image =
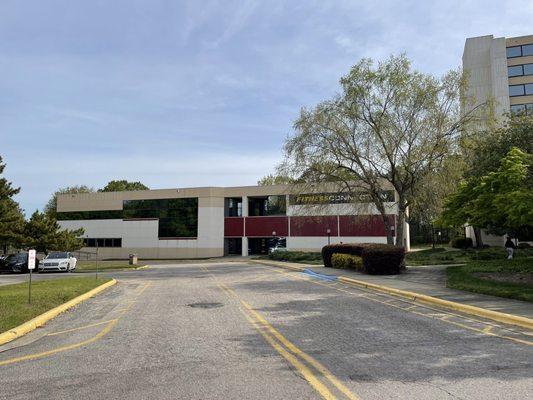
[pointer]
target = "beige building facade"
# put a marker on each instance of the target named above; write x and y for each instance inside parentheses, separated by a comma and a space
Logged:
(217, 221)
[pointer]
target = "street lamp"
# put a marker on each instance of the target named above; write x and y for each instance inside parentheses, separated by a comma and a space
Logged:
(328, 231)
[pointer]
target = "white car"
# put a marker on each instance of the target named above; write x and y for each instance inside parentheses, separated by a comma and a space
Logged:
(58, 261)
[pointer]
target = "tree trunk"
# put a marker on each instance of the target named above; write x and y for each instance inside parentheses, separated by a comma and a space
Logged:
(400, 232)
(477, 235)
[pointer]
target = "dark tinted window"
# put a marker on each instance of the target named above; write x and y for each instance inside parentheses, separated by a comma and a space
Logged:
(80, 215)
(269, 205)
(516, 90)
(58, 254)
(177, 217)
(117, 242)
(514, 52)
(529, 88)
(529, 108)
(101, 242)
(515, 70)
(91, 242)
(528, 69)
(527, 50)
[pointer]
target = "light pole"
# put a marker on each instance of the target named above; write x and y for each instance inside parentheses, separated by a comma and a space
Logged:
(273, 239)
(328, 231)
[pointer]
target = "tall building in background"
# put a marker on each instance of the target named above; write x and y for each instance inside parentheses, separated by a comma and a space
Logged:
(499, 70)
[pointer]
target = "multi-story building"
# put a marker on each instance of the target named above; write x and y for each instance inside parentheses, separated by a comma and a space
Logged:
(499, 71)
(216, 221)
(499, 74)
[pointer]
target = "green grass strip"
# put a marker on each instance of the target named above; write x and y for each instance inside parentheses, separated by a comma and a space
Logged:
(46, 294)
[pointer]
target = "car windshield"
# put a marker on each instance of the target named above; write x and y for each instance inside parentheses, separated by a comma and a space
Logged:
(19, 256)
(58, 254)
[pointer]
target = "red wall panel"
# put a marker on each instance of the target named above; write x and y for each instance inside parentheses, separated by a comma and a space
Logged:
(314, 225)
(234, 226)
(363, 225)
(264, 226)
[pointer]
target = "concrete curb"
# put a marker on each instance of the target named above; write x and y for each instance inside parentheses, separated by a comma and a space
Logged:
(428, 300)
(40, 320)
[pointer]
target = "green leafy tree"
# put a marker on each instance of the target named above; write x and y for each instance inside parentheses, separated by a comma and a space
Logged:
(51, 207)
(11, 217)
(123, 185)
(390, 128)
(43, 234)
(501, 201)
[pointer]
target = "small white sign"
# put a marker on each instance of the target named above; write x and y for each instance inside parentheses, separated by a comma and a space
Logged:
(31, 259)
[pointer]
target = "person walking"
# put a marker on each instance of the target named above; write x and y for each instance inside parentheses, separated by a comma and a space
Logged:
(509, 246)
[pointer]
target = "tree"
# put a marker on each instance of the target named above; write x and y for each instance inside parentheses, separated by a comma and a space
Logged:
(275, 179)
(500, 201)
(43, 233)
(123, 185)
(51, 207)
(11, 217)
(390, 128)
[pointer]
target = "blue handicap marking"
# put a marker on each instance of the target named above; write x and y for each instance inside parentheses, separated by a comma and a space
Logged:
(316, 275)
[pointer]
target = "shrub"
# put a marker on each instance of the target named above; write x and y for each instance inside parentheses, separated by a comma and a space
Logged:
(523, 245)
(461, 242)
(346, 261)
(383, 259)
(377, 258)
(347, 248)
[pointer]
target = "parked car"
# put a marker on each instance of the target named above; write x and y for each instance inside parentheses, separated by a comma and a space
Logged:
(16, 263)
(58, 261)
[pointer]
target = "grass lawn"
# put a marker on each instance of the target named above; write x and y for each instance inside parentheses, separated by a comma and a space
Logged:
(504, 278)
(441, 255)
(84, 266)
(14, 307)
(302, 257)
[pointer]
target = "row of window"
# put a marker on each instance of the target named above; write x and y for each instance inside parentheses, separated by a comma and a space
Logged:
(521, 90)
(520, 70)
(520, 51)
(106, 242)
(526, 109)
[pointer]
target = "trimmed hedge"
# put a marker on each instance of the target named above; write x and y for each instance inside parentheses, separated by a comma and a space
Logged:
(346, 261)
(377, 258)
(462, 243)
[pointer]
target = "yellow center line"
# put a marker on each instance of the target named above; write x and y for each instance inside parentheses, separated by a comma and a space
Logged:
(270, 334)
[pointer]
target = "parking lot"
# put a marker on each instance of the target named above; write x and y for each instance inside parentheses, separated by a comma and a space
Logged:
(237, 330)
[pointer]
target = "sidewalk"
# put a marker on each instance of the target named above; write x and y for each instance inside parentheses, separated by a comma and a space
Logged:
(429, 280)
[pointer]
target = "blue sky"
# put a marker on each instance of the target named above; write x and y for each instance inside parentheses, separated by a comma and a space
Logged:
(196, 93)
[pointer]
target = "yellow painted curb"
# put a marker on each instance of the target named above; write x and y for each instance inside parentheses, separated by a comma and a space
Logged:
(138, 268)
(40, 320)
(451, 305)
(425, 299)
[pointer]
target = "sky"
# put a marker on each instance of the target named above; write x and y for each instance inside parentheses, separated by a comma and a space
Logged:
(197, 93)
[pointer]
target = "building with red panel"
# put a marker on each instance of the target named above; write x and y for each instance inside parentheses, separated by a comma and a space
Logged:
(216, 221)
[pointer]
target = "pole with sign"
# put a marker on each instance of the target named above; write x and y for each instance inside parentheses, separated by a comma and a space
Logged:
(31, 267)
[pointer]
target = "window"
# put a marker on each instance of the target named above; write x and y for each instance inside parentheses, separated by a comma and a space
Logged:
(81, 215)
(515, 70)
(528, 69)
(527, 50)
(106, 242)
(529, 109)
(529, 88)
(178, 218)
(516, 90)
(518, 108)
(233, 207)
(268, 205)
(514, 52)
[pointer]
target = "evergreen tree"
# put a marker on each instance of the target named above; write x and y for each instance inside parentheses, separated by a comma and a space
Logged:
(11, 217)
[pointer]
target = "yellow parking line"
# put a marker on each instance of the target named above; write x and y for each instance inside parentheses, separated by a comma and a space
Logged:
(428, 315)
(78, 328)
(100, 334)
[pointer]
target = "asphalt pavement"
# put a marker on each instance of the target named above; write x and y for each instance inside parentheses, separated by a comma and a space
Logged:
(244, 331)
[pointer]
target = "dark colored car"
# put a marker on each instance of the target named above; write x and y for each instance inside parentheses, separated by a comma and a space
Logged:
(16, 263)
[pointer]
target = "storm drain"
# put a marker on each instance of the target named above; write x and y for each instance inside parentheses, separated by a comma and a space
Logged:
(205, 305)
